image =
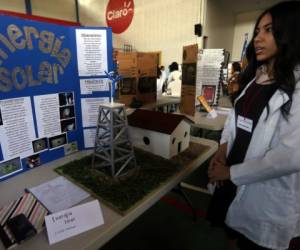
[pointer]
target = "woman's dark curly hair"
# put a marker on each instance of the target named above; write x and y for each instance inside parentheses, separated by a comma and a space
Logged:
(286, 32)
(173, 66)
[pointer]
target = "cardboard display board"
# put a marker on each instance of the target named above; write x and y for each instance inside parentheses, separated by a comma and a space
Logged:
(51, 82)
(189, 70)
(139, 72)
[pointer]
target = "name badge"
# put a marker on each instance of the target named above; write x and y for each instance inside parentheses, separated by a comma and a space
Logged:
(244, 123)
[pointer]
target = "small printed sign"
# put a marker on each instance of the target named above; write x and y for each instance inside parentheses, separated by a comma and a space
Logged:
(73, 221)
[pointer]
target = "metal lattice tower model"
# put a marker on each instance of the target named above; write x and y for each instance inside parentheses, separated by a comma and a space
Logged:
(112, 143)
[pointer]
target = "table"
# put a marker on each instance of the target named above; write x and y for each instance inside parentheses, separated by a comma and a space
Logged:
(113, 222)
(161, 102)
(201, 121)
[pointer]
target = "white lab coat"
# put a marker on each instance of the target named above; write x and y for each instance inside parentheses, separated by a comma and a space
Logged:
(160, 82)
(266, 208)
(174, 83)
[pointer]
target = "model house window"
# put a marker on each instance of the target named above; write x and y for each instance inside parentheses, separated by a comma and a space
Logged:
(173, 140)
(185, 134)
(146, 140)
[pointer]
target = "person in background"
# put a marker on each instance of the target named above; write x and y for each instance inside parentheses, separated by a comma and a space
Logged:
(233, 85)
(174, 80)
(161, 80)
(257, 166)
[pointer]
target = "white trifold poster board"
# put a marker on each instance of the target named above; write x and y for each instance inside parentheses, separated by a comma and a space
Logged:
(209, 69)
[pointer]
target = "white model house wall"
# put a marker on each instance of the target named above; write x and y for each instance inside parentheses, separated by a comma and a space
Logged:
(180, 138)
(159, 143)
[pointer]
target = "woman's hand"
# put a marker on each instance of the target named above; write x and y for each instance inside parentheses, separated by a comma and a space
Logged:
(219, 172)
(215, 166)
(219, 157)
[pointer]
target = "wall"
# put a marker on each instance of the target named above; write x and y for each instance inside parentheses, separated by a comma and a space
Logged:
(64, 10)
(219, 25)
(156, 26)
(244, 23)
(59, 9)
(13, 5)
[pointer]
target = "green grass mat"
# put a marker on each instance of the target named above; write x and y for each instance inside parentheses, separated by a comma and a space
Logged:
(124, 193)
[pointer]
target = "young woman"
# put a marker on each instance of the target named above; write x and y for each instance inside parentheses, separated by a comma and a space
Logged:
(257, 167)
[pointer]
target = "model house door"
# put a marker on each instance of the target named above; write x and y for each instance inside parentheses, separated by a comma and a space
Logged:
(179, 147)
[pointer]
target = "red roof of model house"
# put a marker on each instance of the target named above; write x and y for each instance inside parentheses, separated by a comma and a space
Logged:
(155, 121)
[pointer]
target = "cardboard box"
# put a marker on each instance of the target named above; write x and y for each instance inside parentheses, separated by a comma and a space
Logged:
(127, 64)
(139, 72)
(190, 53)
(147, 64)
(187, 101)
(146, 91)
(127, 90)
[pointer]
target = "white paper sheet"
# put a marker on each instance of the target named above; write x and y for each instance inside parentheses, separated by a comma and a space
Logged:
(73, 221)
(90, 110)
(91, 52)
(58, 194)
(88, 86)
(89, 137)
(47, 115)
(16, 128)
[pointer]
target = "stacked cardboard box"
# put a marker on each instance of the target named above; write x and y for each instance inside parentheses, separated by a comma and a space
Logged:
(139, 71)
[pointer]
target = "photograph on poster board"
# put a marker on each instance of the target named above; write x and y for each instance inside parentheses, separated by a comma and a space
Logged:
(66, 112)
(33, 161)
(189, 73)
(209, 91)
(66, 98)
(71, 148)
(57, 141)
(68, 125)
(40, 145)
(10, 167)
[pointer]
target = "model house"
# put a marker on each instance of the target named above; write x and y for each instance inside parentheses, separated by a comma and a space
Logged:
(163, 134)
